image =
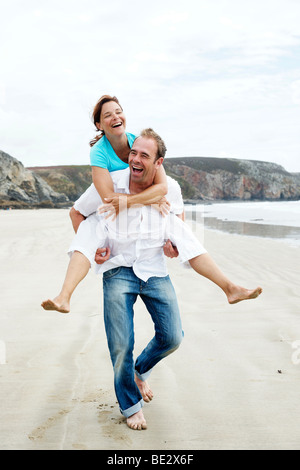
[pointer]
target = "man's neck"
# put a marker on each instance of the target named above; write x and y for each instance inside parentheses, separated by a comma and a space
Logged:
(136, 188)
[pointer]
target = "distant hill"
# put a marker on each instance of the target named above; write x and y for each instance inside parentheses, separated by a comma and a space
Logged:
(200, 178)
(71, 180)
(204, 178)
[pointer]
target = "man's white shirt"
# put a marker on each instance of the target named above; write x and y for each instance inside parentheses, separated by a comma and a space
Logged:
(90, 200)
(137, 236)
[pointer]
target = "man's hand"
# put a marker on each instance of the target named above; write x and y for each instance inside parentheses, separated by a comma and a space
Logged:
(102, 255)
(170, 250)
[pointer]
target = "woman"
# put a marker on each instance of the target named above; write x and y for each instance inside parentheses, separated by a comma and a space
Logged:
(110, 152)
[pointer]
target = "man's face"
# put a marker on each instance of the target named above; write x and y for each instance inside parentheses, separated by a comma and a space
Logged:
(142, 162)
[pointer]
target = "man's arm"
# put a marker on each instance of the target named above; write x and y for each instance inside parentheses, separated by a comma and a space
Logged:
(177, 206)
(102, 255)
(170, 250)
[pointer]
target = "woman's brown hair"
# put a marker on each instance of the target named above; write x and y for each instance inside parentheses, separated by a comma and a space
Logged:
(97, 114)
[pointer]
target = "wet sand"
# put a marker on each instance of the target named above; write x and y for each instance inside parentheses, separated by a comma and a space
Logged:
(233, 383)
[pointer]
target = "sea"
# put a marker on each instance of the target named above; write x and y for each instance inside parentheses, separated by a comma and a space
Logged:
(268, 219)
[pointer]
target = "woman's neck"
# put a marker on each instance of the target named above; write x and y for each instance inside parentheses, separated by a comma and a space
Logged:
(120, 146)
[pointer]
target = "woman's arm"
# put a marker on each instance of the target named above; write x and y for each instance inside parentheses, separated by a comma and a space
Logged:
(103, 182)
(104, 185)
(152, 195)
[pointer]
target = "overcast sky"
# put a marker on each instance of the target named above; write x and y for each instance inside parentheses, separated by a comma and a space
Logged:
(215, 78)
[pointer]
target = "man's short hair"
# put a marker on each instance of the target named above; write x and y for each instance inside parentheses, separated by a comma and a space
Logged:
(161, 147)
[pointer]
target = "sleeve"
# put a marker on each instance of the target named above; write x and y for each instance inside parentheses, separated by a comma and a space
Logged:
(98, 156)
(174, 196)
(183, 237)
(91, 235)
(88, 202)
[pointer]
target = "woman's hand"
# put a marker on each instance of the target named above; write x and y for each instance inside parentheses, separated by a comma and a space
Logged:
(163, 206)
(113, 206)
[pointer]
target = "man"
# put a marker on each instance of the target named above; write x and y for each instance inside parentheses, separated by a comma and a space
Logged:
(136, 267)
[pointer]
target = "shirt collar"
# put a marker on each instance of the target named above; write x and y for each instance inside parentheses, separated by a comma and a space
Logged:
(123, 180)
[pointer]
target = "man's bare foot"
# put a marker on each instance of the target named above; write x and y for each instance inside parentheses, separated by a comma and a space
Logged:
(137, 421)
(56, 304)
(144, 388)
(237, 294)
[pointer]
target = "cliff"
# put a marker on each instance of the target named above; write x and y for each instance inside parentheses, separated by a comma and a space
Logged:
(22, 188)
(71, 180)
(201, 179)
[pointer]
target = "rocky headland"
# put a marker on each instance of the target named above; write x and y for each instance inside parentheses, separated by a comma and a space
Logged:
(201, 179)
(21, 188)
(210, 179)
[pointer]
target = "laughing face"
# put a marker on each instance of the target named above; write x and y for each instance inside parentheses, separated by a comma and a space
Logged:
(112, 120)
(142, 161)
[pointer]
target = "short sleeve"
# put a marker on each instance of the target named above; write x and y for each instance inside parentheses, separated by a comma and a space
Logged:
(174, 196)
(98, 157)
(88, 202)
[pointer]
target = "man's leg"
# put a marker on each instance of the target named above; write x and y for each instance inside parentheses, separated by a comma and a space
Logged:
(160, 299)
(120, 289)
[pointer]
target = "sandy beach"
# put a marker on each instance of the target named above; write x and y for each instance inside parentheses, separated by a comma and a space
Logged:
(233, 384)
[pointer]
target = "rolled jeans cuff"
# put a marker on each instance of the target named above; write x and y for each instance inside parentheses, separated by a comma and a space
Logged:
(133, 409)
(144, 376)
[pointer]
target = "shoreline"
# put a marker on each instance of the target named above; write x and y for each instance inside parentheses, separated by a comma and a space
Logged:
(280, 233)
(21, 205)
(276, 221)
(222, 389)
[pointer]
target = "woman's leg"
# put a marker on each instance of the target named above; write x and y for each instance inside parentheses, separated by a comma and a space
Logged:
(78, 268)
(205, 266)
(89, 237)
(191, 249)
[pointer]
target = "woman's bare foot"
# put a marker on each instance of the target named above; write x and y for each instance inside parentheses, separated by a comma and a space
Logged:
(145, 390)
(57, 304)
(137, 421)
(237, 294)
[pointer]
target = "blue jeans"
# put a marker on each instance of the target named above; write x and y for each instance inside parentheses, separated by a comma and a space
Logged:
(121, 288)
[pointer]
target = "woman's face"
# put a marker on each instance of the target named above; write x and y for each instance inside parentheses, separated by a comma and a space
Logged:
(112, 119)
